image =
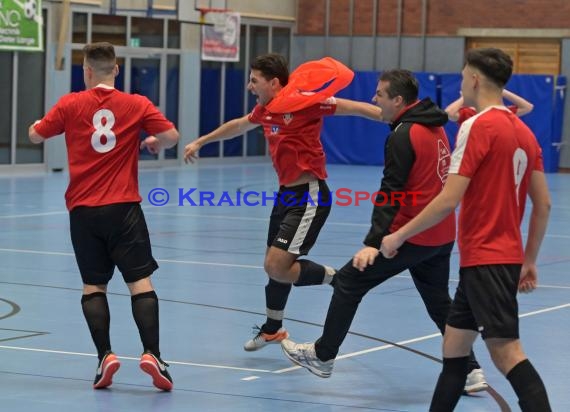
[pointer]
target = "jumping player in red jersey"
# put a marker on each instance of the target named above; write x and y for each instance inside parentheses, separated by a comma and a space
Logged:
(417, 157)
(497, 162)
(303, 202)
(102, 129)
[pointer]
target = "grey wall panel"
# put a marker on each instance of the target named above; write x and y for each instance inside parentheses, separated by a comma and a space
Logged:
(189, 116)
(411, 54)
(339, 48)
(444, 54)
(307, 48)
(386, 53)
(362, 54)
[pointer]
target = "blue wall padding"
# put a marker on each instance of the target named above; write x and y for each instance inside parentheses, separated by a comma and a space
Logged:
(354, 140)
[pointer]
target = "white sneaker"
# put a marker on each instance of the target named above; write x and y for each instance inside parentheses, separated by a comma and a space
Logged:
(303, 354)
(263, 339)
(475, 381)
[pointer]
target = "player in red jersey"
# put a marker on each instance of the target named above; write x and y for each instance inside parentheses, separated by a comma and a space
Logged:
(497, 162)
(102, 127)
(417, 157)
(303, 202)
(458, 112)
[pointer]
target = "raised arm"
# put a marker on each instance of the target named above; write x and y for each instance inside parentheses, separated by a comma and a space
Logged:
(233, 128)
(452, 109)
(345, 107)
(523, 106)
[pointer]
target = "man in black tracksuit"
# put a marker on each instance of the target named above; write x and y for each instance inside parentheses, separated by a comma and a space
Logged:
(417, 158)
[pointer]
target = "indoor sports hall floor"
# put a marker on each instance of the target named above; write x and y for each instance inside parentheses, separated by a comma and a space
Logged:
(211, 286)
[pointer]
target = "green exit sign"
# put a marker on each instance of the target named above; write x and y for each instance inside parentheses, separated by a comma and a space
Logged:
(135, 42)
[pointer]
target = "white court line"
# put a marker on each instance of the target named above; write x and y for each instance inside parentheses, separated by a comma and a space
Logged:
(196, 262)
(33, 215)
(185, 262)
(202, 365)
(279, 371)
(246, 218)
(375, 349)
(229, 217)
(421, 338)
(540, 286)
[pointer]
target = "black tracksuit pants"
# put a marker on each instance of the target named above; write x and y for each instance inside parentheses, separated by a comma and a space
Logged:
(429, 267)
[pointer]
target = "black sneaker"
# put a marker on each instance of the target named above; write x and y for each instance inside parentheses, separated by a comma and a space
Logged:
(105, 371)
(156, 368)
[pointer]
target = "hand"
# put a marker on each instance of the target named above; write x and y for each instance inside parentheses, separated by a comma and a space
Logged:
(390, 245)
(152, 144)
(364, 257)
(529, 278)
(191, 151)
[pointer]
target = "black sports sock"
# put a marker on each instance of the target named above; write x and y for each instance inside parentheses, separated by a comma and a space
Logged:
(314, 274)
(473, 364)
(145, 312)
(96, 311)
(276, 294)
(450, 384)
(529, 387)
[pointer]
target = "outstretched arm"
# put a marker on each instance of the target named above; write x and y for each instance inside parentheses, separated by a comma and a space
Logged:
(227, 130)
(345, 107)
(523, 106)
(441, 206)
(453, 109)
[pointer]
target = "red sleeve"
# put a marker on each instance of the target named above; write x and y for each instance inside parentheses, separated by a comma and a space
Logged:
(513, 108)
(465, 113)
(53, 123)
(154, 121)
(255, 115)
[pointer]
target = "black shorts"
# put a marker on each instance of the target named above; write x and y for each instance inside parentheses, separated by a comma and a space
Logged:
(486, 301)
(107, 236)
(298, 215)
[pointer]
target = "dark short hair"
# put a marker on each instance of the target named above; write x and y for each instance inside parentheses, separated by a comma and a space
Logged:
(495, 64)
(100, 57)
(402, 83)
(272, 65)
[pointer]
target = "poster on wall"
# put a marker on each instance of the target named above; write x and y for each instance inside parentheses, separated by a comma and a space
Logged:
(221, 36)
(21, 25)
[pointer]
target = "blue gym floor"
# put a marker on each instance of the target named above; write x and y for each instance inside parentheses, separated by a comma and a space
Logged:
(211, 289)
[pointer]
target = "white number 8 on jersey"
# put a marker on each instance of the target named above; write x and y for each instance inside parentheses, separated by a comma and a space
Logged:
(103, 130)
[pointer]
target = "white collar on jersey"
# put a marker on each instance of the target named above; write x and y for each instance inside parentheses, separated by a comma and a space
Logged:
(104, 86)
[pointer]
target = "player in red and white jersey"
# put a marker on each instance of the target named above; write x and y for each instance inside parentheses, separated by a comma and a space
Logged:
(303, 201)
(102, 129)
(497, 162)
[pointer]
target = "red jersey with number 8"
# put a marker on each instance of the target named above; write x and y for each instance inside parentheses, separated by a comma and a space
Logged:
(498, 152)
(102, 132)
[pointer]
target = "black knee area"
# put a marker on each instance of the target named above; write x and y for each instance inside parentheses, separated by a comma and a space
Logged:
(87, 298)
(456, 366)
(311, 273)
(144, 295)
